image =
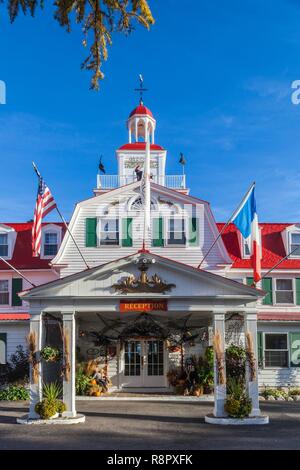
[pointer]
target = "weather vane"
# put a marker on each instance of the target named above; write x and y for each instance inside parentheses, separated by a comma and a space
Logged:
(141, 90)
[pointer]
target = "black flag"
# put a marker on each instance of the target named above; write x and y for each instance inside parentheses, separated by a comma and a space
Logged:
(101, 166)
(182, 160)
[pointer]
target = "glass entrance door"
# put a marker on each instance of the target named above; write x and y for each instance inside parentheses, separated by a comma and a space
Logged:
(144, 363)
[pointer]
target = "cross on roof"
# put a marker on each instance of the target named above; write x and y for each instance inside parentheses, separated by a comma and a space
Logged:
(141, 89)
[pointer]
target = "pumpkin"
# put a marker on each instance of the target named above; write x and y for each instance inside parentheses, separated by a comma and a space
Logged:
(93, 382)
(98, 394)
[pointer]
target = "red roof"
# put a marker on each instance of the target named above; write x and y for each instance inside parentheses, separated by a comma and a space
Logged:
(141, 110)
(22, 255)
(14, 316)
(279, 316)
(273, 249)
(140, 146)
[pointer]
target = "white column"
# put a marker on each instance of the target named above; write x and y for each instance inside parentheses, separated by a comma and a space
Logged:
(69, 331)
(36, 322)
(250, 326)
(152, 134)
(220, 389)
(129, 135)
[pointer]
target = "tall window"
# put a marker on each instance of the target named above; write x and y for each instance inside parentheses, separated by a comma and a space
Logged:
(109, 234)
(276, 350)
(295, 244)
(50, 243)
(284, 291)
(4, 292)
(176, 231)
(3, 244)
(246, 248)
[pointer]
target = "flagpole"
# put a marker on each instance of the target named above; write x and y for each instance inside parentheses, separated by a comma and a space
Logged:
(279, 262)
(17, 271)
(64, 221)
(147, 195)
(226, 225)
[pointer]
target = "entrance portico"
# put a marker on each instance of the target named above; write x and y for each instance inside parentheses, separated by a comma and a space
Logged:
(92, 301)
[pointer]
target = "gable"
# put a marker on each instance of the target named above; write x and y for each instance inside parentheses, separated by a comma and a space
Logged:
(100, 282)
(119, 204)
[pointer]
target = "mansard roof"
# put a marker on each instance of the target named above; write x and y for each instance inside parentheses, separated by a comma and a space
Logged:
(22, 255)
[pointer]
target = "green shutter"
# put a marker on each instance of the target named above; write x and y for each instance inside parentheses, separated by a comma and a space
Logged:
(91, 232)
(260, 349)
(127, 231)
(17, 286)
(3, 342)
(158, 231)
(295, 349)
(194, 231)
(267, 287)
(298, 291)
(249, 281)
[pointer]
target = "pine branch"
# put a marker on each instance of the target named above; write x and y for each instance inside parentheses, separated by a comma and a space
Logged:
(99, 19)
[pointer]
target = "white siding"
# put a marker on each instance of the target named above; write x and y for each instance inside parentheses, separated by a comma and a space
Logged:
(111, 204)
(16, 334)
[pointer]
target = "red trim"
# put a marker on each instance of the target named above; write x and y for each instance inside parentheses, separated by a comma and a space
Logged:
(280, 316)
(141, 109)
(140, 146)
(14, 316)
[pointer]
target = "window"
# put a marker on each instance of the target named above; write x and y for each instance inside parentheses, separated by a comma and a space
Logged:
(276, 350)
(176, 231)
(3, 244)
(295, 244)
(109, 234)
(284, 291)
(4, 293)
(50, 243)
(3, 344)
(246, 248)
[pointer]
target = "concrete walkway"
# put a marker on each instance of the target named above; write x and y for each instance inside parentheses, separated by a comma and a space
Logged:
(153, 426)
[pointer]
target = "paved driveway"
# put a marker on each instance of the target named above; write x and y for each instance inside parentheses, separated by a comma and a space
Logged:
(130, 425)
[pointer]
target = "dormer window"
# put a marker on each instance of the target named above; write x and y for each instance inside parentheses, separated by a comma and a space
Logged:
(295, 243)
(51, 239)
(4, 244)
(109, 234)
(50, 244)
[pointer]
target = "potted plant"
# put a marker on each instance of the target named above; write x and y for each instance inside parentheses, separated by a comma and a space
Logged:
(237, 404)
(51, 406)
(50, 354)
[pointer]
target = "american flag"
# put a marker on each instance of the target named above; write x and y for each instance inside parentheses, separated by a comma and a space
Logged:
(45, 203)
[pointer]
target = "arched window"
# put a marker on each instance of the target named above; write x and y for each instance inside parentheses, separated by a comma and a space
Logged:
(137, 204)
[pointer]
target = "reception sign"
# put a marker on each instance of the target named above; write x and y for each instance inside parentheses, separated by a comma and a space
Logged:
(143, 306)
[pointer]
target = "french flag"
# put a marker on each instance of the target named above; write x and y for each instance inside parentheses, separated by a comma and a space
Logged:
(246, 220)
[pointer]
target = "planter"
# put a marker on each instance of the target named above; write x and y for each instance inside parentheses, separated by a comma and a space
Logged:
(198, 391)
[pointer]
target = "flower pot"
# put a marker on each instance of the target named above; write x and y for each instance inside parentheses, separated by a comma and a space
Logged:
(198, 391)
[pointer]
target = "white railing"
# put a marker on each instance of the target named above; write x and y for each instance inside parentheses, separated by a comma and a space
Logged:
(115, 181)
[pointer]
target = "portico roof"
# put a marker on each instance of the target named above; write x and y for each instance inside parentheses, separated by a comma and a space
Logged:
(99, 282)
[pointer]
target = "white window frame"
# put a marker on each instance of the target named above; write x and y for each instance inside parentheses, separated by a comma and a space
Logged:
(50, 228)
(290, 233)
(166, 230)
(101, 221)
(11, 239)
(264, 349)
(9, 292)
(274, 289)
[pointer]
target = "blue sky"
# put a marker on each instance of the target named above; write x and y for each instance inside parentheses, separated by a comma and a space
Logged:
(219, 74)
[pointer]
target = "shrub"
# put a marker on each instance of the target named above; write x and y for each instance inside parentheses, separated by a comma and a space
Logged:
(46, 409)
(294, 391)
(82, 381)
(60, 406)
(274, 392)
(14, 392)
(238, 408)
(17, 368)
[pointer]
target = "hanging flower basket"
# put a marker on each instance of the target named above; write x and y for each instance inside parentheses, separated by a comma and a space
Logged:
(50, 354)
